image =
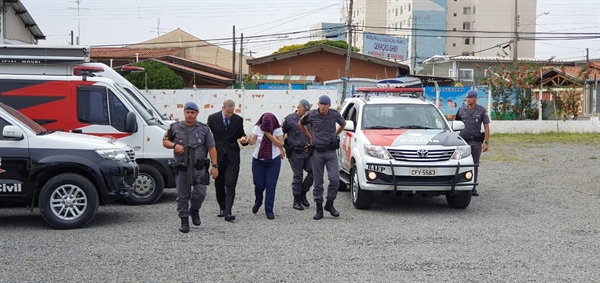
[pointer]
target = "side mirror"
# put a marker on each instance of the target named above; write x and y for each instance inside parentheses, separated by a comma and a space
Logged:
(12, 133)
(131, 123)
(349, 125)
(458, 125)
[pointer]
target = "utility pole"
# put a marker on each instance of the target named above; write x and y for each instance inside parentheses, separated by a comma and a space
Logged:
(414, 41)
(349, 52)
(78, 20)
(71, 37)
(516, 39)
(587, 55)
(240, 77)
(233, 67)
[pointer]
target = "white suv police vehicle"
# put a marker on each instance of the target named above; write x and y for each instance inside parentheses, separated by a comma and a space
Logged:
(66, 175)
(402, 146)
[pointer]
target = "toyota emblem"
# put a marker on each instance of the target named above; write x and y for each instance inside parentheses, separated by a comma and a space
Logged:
(422, 152)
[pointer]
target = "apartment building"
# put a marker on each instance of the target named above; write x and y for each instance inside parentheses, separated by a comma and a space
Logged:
(450, 27)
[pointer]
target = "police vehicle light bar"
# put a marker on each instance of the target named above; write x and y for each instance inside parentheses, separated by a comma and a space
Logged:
(80, 69)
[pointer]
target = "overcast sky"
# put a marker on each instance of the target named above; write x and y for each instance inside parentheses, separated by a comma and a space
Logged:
(118, 22)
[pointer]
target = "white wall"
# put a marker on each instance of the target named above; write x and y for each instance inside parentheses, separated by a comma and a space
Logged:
(250, 103)
(591, 125)
(253, 103)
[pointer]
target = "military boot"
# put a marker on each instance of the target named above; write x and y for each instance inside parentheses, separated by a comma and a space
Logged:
(297, 203)
(185, 225)
(319, 213)
(329, 207)
(303, 200)
(195, 217)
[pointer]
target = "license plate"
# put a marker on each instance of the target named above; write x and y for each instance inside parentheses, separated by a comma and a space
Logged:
(422, 172)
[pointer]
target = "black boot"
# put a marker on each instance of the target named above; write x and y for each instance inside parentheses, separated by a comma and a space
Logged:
(319, 213)
(195, 217)
(185, 225)
(303, 200)
(329, 207)
(297, 203)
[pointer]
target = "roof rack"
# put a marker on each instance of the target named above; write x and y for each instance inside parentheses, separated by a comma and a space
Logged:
(411, 92)
(39, 55)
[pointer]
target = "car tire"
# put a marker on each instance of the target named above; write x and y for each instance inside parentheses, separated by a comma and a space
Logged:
(68, 201)
(149, 186)
(460, 201)
(361, 199)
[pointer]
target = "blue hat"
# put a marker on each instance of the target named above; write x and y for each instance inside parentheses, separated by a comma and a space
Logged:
(305, 103)
(324, 99)
(191, 106)
(472, 93)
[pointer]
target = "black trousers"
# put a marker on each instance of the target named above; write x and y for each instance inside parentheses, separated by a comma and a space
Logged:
(225, 184)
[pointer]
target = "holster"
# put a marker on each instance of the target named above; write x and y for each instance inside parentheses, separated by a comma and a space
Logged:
(311, 150)
(289, 150)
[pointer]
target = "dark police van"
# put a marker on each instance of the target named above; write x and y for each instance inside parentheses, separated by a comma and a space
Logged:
(65, 175)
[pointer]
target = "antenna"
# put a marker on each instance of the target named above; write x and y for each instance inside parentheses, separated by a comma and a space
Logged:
(158, 32)
(78, 19)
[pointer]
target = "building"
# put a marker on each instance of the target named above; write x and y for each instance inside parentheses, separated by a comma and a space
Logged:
(325, 63)
(329, 31)
(450, 27)
(17, 25)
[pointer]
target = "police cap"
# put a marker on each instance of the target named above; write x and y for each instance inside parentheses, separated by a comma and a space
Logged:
(191, 106)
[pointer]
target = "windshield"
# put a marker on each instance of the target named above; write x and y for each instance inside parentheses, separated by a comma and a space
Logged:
(402, 116)
(32, 125)
(138, 94)
(138, 107)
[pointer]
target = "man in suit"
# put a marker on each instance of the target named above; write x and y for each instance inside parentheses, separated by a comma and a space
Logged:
(227, 128)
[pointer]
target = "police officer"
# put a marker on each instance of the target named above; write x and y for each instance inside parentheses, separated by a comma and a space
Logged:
(473, 115)
(324, 141)
(190, 141)
(296, 148)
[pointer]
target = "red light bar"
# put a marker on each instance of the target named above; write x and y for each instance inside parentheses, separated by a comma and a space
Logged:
(389, 89)
(77, 70)
(132, 69)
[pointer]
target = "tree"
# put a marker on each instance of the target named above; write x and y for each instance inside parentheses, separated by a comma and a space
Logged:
(157, 76)
(335, 43)
(513, 83)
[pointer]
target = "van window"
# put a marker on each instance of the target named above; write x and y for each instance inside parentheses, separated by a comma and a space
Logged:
(92, 105)
(118, 112)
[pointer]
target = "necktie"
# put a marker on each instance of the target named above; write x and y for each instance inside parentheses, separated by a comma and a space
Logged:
(226, 124)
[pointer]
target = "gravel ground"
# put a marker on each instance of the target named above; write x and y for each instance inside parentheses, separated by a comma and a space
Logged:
(537, 220)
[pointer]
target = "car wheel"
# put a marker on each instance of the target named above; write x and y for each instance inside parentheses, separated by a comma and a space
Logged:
(459, 201)
(68, 201)
(361, 199)
(149, 186)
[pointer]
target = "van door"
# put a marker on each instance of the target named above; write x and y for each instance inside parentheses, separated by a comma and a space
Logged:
(100, 112)
(15, 163)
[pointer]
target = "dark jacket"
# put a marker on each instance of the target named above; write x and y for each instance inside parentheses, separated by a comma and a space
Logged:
(226, 141)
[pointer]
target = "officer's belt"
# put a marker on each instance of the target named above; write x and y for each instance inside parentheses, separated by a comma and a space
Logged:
(323, 148)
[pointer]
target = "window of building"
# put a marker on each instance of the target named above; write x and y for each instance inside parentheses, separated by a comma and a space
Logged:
(455, 14)
(396, 11)
(453, 29)
(466, 40)
(466, 10)
(409, 7)
(474, 9)
(465, 74)
(453, 44)
(466, 25)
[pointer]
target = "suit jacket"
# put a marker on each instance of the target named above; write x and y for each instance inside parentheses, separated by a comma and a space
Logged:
(226, 141)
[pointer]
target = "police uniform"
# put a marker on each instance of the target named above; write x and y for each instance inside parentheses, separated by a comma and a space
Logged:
(199, 135)
(473, 119)
(299, 159)
(325, 144)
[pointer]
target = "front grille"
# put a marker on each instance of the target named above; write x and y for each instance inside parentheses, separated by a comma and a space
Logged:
(131, 154)
(413, 155)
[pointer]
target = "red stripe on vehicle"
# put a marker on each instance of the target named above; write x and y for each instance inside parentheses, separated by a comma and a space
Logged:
(383, 137)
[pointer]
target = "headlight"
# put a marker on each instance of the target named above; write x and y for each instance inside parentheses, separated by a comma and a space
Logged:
(461, 152)
(114, 154)
(377, 152)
